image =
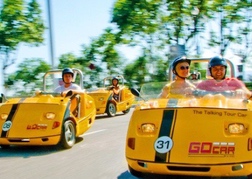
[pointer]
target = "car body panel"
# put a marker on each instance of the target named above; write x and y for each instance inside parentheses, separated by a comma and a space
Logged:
(203, 139)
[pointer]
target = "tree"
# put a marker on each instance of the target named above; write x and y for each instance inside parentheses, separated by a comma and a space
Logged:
(136, 72)
(28, 77)
(19, 23)
(229, 30)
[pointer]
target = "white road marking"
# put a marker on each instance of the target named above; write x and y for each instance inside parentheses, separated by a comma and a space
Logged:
(89, 133)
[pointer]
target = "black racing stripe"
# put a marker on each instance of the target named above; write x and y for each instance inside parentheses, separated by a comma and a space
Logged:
(165, 130)
(10, 118)
(11, 114)
(172, 102)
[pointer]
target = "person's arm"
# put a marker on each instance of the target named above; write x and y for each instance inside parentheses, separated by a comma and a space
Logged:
(165, 92)
(116, 90)
(75, 89)
(241, 85)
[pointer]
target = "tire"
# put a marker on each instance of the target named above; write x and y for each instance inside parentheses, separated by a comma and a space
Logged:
(249, 176)
(68, 135)
(5, 146)
(111, 109)
(135, 173)
(126, 111)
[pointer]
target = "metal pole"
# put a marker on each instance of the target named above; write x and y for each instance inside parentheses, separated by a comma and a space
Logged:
(50, 33)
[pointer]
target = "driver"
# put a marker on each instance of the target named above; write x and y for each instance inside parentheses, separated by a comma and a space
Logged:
(218, 68)
(115, 87)
(67, 77)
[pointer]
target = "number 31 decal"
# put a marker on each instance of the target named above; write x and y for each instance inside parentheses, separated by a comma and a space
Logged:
(163, 144)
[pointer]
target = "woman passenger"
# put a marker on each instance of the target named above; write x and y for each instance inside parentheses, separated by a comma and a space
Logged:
(180, 86)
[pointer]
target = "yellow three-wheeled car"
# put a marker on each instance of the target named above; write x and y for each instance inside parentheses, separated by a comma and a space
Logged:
(46, 118)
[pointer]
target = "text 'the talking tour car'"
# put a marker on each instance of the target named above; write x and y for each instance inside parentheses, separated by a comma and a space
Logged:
(203, 134)
(106, 103)
(47, 118)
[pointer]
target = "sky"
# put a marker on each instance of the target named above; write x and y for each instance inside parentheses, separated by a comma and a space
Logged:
(74, 23)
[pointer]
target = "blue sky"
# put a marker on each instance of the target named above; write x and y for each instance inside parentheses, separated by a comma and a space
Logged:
(74, 23)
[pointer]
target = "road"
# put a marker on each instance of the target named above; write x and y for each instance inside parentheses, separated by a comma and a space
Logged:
(98, 154)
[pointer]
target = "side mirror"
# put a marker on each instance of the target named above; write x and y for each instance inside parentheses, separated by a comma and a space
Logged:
(2, 98)
(136, 93)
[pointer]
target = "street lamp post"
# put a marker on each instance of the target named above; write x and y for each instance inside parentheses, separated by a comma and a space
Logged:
(195, 13)
(50, 33)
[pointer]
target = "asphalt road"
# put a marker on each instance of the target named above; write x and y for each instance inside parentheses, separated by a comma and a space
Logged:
(98, 154)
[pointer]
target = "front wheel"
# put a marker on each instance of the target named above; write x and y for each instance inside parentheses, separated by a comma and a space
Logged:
(68, 135)
(111, 109)
(5, 146)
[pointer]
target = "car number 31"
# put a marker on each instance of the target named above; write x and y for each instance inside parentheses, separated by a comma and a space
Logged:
(163, 144)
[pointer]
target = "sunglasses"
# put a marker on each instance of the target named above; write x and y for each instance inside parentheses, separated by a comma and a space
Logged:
(184, 67)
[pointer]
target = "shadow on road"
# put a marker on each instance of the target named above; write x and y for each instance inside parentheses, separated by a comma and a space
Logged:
(105, 116)
(127, 175)
(29, 151)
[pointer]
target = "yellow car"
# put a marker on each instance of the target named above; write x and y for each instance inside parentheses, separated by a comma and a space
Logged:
(106, 103)
(46, 118)
(207, 133)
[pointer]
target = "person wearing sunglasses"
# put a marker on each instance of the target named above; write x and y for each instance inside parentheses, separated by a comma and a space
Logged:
(217, 67)
(180, 86)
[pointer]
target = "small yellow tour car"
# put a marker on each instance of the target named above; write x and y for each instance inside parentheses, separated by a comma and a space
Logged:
(46, 118)
(106, 103)
(205, 134)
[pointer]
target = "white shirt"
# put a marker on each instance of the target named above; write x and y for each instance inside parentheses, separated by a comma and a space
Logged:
(62, 88)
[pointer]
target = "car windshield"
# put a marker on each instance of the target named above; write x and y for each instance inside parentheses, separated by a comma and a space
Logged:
(215, 96)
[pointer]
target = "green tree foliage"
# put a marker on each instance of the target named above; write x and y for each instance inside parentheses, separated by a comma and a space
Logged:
(28, 77)
(69, 60)
(135, 73)
(98, 59)
(231, 16)
(165, 24)
(136, 16)
(19, 23)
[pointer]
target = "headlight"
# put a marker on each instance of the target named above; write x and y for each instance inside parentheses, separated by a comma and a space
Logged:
(4, 116)
(101, 99)
(236, 128)
(50, 115)
(148, 128)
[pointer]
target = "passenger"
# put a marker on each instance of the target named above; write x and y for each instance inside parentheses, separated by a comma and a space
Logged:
(194, 76)
(180, 86)
(115, 87)
(218, 68)
(67, 77)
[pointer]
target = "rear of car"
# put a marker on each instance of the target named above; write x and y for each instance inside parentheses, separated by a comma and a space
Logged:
(190, 141)
(101, 97)
(32, 121)
(105, 101)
